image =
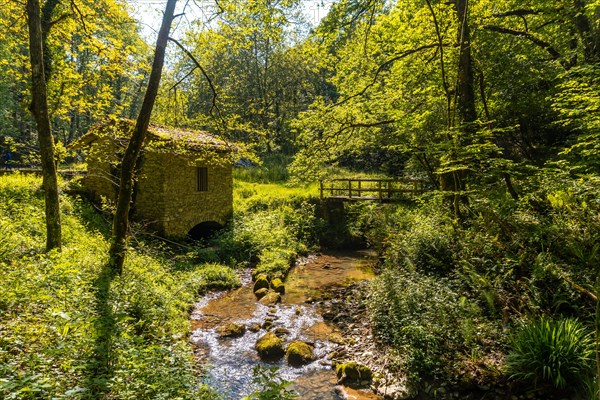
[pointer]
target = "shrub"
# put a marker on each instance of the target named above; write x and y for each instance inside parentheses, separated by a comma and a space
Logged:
(559, 353)
(425, 320)
(272, 225)
(272, 387)
(275, 262)
(218, 276)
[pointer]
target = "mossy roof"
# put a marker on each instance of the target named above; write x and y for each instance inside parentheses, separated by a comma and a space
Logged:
(158, 137)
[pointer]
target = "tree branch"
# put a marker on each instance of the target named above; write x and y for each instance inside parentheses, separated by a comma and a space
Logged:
(184, 78)
(197, 64)
(537, 41)
(81, 15)
(60, 19)
(361, 125)
(518, 13)
(381, 68)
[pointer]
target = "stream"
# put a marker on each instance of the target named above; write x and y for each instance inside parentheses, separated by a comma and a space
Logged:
(229, 362)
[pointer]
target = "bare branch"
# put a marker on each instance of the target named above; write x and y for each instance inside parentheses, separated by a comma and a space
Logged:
(210, 83)
(184, 78)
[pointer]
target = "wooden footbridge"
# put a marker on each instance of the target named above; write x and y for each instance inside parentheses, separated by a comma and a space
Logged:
(382, 190)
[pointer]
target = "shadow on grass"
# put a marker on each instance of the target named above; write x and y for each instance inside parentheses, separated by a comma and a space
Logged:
(94, 220)
(99, 369)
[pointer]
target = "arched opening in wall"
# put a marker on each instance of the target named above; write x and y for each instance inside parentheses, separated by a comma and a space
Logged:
(204, 230)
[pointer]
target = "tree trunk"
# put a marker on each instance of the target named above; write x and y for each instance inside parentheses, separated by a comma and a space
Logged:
(465, 88)
(39, 109)
(46, 23)
(589, 38)
(118, 246)
(465, 113)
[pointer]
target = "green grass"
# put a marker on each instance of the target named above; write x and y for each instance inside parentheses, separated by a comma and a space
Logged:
(68, 329)
(273, 169)
(260, 196)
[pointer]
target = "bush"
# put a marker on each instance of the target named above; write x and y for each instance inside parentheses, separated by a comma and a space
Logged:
(559, 353)
(423, 240)
(426, 320)
(272, 387)
(218, 276)
(272, 225)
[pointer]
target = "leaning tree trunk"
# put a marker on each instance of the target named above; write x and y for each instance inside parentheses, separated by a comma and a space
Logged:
(118, 246)
(39, 109)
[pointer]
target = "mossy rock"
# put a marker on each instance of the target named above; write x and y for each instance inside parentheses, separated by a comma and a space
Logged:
(353, 374)
(270, 299)
(278, 286)
(231, 330)
(269, 347)
(300, 353)
(336, 338)
(267, 324)
(260, 293)
(278, 275)
(281, 332)
(261, 281)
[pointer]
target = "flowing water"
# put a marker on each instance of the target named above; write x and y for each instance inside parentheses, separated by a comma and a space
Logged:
(229, 362)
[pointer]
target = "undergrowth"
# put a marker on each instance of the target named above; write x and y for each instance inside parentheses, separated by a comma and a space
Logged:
(555, 353)
(451, 292)
(69, 329)
(272, 225)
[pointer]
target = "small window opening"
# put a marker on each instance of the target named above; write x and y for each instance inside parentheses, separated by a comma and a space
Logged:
(202, 179)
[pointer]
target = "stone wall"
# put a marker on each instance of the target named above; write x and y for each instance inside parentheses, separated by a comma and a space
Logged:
(102, 176)
(149, 197)
(166, 193)
(185, 207)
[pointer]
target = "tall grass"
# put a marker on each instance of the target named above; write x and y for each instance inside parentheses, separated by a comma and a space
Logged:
(556, 352)
(273, 169)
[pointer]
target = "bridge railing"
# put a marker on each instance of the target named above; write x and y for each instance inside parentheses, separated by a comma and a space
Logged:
(369, 189)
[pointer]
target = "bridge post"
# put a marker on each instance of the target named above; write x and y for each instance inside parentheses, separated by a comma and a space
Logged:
(321, 189)
(349, 188)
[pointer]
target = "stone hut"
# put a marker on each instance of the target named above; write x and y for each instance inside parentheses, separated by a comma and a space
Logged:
(183, 181)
